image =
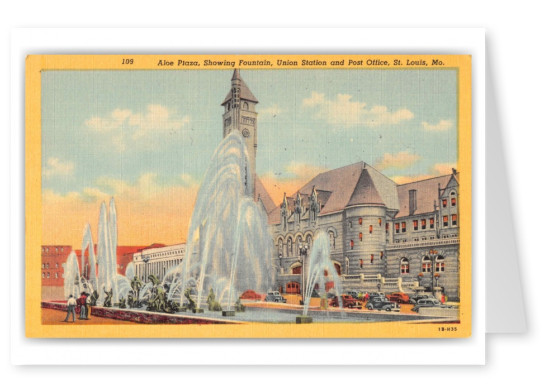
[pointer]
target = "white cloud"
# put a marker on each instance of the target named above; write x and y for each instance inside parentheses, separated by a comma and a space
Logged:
(439, 127)
(146, 128)
(398, 160)
(272, 111)
(57, 167)
(345, 112)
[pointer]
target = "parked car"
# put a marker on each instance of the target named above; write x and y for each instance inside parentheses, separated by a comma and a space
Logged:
(354, 294)
(377, 294)
(275, 296)
(413, 299)
(347, 302)
(398, 297)
(379, 303)
(249, 294)
(430, 302)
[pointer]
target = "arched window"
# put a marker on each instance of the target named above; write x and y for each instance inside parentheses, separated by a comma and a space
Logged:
(337, 268)
(309, 241)
(289, 247)
(380, 222)
(280, 247)
(360, 236)
(332, 239)
(360, 221)
(351, 245)
(245, 106)
(404, 266)
(427, 265)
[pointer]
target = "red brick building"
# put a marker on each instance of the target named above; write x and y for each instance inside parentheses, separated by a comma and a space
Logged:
(55, 256)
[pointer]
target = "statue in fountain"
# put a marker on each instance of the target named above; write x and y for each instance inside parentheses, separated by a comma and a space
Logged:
(238, 306)
(212, 303)
(191, 305)
(94, 298)
(108, 297)
(122, 303)
(136, 284)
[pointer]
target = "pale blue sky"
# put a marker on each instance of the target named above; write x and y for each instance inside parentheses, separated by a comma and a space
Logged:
(124, 124)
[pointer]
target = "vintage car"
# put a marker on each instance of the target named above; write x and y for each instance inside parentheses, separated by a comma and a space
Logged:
(347, 302)
(275, 296)
(430, 302)
(380, 303)
(398, 297)
(249, 294)
(413, 299)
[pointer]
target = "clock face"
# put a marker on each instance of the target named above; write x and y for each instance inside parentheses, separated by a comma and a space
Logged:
(246, 133)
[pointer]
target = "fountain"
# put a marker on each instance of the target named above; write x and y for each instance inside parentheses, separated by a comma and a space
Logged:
(320, 271)
(72, 283)
(228, 243)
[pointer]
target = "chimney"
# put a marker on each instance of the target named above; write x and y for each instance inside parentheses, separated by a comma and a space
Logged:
(412, 201)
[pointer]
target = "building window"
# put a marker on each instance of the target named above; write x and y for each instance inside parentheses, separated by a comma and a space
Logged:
(427, 266)
(382, 254)
(56, 265)
(431, 221)
(372, 257)
(404, 266)
(351, 245)
(423, 223)
(361, 235)
(397, 227)
(47, 266)
(56, 275)
(445, 220)
(380, 222)
(289, 247)
(43, 275)
(415, 225)
(454, 219)
(387, 227)
(361, 263)
(370, 229)
(454, 201)
(43, 266)
(360, 221)
(350, 224)
(439, 267)
(444, 203)
(48, 275)
(296, 270)
(403, 226)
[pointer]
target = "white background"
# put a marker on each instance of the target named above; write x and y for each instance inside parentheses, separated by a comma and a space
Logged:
(518, 56)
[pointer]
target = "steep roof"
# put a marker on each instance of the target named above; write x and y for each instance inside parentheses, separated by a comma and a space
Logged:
(261, 193)
(244, 91)
(427, 194)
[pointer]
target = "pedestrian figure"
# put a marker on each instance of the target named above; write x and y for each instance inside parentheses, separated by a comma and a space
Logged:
(443, 299)
(88, 304)
(71, 303)
(82, 304)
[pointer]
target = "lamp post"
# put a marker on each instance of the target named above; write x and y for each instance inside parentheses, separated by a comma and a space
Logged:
(432, 255)
(303, 251)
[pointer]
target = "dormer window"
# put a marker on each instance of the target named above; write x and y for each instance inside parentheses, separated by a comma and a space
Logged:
(454, 201)
(444, 203)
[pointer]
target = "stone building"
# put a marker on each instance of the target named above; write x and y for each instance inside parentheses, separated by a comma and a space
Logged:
(157, 259)
(383, 235)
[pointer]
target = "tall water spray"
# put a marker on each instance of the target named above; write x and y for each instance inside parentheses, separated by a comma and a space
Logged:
(228, 244)
(107, 251)
(72, 284)
(88, 243)
(320, 270)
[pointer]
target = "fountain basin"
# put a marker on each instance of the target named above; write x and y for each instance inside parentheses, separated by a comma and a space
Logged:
(304, 319)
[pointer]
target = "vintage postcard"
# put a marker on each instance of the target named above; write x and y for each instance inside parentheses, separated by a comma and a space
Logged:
(248, 196)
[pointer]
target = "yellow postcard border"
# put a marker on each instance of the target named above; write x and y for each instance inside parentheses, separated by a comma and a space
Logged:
(33, 206)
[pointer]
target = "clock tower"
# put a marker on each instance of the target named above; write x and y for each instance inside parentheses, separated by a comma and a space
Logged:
(240, 113)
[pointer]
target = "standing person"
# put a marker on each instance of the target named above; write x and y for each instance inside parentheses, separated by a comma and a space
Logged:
(71, 303)
(88, 302)
(82, 304)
